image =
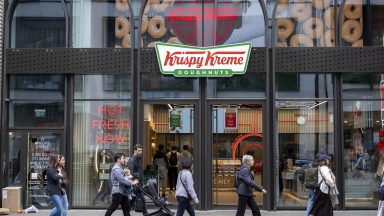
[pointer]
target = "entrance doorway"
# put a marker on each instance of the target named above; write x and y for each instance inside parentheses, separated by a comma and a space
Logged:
(168, 131)
(237, 130)
(28, 154)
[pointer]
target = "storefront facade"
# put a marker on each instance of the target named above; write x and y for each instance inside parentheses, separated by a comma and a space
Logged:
(81, 78)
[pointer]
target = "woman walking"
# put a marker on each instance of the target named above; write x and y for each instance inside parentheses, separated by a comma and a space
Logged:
(64, 184)
(184, 189)
(246, 186)
(54, 181)
(379, 173)
(326, 196)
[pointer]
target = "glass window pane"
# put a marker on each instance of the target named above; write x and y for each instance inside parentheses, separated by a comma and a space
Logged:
(248, 85)
(305, 129)
(100, 130)
(362, 134)
(38, 24)
(156, 85)
(38, 87)
(36, 114)
(362, 86)
(305, 24)
(304, 85)
(103, 86)
(98, 24)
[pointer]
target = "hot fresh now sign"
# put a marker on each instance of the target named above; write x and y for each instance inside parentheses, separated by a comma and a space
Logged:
(190, 61)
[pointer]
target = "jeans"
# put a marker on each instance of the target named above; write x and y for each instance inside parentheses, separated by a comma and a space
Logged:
(58, 201)
(182, 205)
(311, 195)
(243, 201)
(64, 210)
(119, 199)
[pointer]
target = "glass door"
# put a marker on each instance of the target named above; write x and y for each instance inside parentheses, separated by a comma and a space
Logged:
(237, 130)
(28, 157)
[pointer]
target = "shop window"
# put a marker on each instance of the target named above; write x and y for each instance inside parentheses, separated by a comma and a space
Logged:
(38, 24)
(304, 85)
(362, 86)
(101, 129)
(305, 129)
(37, 87)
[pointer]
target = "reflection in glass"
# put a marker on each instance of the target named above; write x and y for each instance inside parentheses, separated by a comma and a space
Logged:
(248, 85)
(14, 158)
(305, 24)
(297, 85)
(305, 129)
(38, 24)
(102, 86)
(38, 87)
(352, 24)
(362, 134)
(362, 86)
(100, 130)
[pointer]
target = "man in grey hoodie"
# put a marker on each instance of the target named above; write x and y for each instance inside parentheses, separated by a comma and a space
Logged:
(119, 189)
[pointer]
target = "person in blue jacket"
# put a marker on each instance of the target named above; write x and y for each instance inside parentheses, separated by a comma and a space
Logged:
(246, 186)
(119, 189)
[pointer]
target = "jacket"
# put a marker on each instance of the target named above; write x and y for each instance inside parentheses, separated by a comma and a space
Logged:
(53, 181)
(246, 182)
(118, 181)
(328, 181)
(134, 164)
(187, 180)
(160, 161)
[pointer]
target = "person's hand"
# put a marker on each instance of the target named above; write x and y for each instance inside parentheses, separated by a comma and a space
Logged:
(60, 174)
(195, 200)
(264, 191)
(135, 182)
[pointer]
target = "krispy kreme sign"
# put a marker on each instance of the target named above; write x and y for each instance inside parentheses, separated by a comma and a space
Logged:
(192, 61)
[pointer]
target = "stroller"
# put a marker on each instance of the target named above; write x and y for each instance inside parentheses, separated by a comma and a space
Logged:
(150, 189)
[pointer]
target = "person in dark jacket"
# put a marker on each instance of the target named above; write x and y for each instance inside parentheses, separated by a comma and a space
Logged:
(135, 165)
(246, 186)
(161, 163)
(54, 181)
(119, 191)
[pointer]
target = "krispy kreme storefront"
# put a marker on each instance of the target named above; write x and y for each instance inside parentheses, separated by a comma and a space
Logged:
(280, 80)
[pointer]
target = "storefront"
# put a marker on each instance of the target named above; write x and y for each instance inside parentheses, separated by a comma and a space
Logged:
(82, 78)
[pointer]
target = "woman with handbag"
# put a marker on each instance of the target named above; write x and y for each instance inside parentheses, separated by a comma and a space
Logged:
(326, 195)
(185, 193)
(379, 173)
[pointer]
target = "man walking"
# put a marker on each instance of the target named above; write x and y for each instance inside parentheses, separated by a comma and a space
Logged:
(135, 165)
(173, 159)
(119, 187)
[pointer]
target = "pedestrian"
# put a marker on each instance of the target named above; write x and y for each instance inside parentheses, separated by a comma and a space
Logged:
(184, 153)
(379, 173)
(135, 165)
(54, 181)
(119, 187)
(326, 196)
(311, 191)
(161, 163)
(185, 193)
(246, 186)
(173, 158)
(64, 185)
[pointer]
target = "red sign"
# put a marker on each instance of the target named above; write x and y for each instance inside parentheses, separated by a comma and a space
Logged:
(230, 120)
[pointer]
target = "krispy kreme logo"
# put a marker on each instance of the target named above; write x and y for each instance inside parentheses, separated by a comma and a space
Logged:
(190, 61)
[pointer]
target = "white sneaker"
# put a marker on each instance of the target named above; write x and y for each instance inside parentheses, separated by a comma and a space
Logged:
(32, 208)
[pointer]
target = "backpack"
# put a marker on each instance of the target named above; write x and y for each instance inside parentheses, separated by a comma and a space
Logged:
(311, 178)
(236, 181)
(173, 159)
(301, 173)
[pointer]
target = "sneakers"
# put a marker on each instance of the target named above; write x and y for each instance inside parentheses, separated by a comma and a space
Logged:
(31, 209)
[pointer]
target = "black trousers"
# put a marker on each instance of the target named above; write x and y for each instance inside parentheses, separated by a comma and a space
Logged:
(119, 199)
(139, 198)
(243, 201)
(172, 177)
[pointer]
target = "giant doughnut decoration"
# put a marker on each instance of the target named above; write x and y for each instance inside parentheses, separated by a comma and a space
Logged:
(281, 44)
(321, 4)
(285, 28)
(329, 18)
(156, 27)
(281, 7)
(144, 24)
(301, 40)
(126, 43)
(121, 5)
(301, 11)
(328, 39)
(122, 27)
(351, 31)
(160, 5)
(147, 8)
(359, 43)
(313, 27)
(353, 9)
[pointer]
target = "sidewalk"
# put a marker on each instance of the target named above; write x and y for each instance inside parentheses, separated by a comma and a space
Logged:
(210, 213)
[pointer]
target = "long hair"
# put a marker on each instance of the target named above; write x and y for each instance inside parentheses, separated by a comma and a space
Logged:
(53, 161)
(58, 161)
